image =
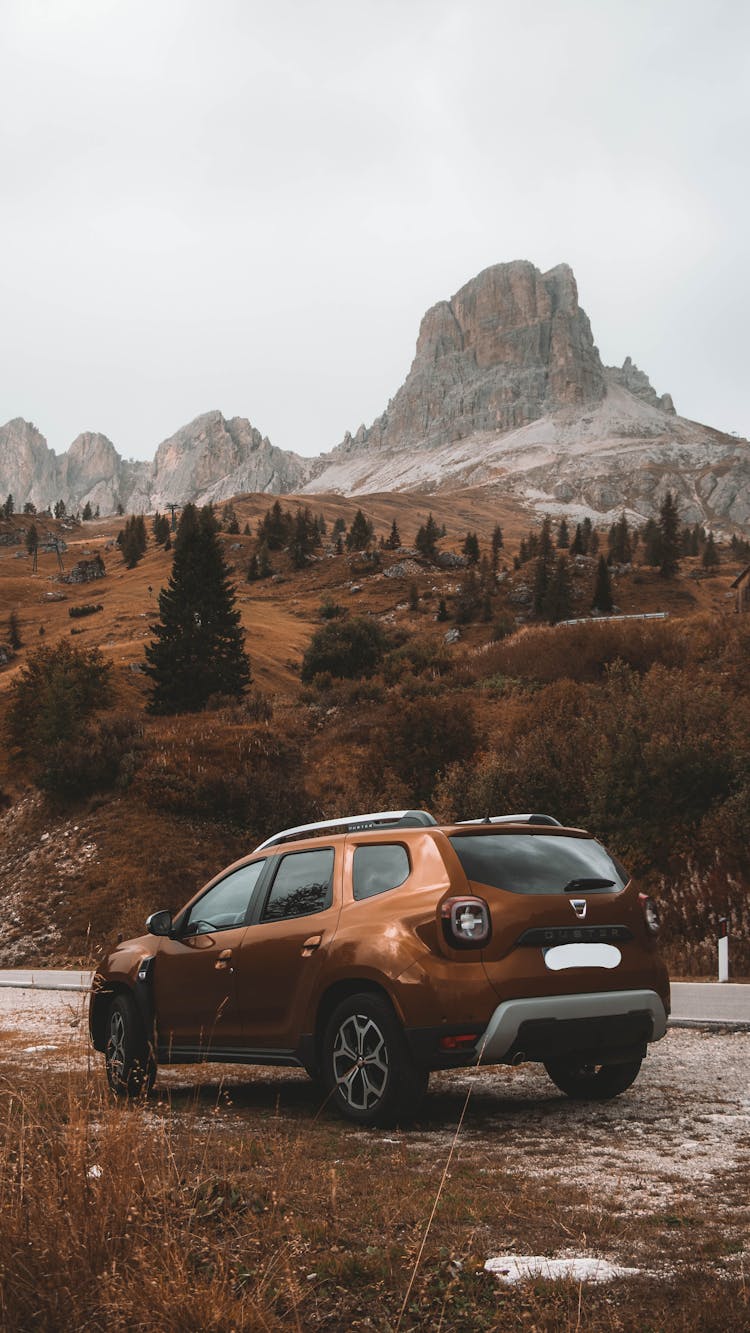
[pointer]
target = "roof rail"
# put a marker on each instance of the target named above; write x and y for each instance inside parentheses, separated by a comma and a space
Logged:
(514, 819)
(352, 823)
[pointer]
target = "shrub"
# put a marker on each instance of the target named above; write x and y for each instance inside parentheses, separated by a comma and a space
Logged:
(85, 609)
(54, 695)
(104, 754)
(421, 737)
(351, 648)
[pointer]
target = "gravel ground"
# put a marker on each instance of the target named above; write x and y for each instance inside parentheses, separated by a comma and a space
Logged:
(680, 1134)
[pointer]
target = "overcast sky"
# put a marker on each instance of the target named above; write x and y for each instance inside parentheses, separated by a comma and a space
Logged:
(249, 204)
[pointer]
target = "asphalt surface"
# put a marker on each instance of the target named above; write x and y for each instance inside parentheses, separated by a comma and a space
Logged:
(694, 1003)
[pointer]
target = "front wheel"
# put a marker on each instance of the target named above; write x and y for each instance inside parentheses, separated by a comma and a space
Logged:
(131, 1068)
(369, 1071)
(592, 1082)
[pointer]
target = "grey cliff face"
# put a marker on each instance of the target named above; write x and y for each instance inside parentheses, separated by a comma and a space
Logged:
(510, 346)
(209, 459)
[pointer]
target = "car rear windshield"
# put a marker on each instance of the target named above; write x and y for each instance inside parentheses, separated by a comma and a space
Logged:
(538, 863)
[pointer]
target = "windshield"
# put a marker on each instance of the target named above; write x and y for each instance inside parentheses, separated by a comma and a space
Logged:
(538, 863)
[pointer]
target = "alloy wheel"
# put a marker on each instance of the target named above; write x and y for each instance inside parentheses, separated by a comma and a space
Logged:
(360, 1062)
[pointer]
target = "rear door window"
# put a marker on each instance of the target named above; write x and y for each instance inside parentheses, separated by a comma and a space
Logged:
(378, 869)
(539, 863)
(302, 885)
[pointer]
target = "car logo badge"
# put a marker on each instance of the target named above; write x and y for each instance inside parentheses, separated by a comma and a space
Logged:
(579, 907)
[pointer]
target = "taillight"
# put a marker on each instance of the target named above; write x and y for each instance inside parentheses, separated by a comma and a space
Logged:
(466, 922)
(650, 913)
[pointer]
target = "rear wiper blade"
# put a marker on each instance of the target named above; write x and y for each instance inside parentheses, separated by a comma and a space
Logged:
(593, 883)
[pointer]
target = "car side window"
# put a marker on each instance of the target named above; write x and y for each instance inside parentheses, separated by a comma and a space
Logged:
(225, 905)
(302, 885)
(378, 869)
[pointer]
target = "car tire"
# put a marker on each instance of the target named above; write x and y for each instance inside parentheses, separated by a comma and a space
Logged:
(592, 1082)
(369, 1073)
(131, 1068)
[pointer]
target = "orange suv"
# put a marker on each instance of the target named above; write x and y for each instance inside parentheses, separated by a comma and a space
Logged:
(374, 949)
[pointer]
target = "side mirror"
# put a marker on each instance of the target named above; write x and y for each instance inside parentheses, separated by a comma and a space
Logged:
(159, 923)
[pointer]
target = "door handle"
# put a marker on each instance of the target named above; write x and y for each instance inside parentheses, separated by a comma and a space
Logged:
(224, 961)
(310, 945)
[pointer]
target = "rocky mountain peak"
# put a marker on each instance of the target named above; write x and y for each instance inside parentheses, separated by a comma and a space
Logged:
(638, 383)
(509, 346)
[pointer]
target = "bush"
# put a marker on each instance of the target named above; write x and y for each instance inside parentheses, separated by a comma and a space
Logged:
(351, 648)
(85, 609)
(54, 696)
(105, 754)
(421, 738)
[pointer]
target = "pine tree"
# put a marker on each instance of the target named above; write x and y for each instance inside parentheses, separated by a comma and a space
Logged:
(32, 539)
(9, 507)
(710, 558)
(545, 538)
(360, 533)
(60, 509)
(496, 545)
(669, 537)
(602, 600)
(576, 547)
(652, 543)
(253, 573)
(541, 584)
(427, 538)
(558, 599)
(471, 548)
(88, 512)
(393, 540)
(442, 611)
(563, 535)
(198, 650)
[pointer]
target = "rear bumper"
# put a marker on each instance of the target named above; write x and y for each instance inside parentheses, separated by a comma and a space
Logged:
(605, 1024)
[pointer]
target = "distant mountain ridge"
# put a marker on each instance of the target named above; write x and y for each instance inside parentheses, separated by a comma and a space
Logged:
(507, 390)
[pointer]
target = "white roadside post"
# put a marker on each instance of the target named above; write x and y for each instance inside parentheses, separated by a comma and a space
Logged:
(723, 948)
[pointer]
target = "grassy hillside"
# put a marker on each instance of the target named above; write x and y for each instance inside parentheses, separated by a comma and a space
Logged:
(638, 730)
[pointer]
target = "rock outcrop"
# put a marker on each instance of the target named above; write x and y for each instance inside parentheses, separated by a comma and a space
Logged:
(209, 459)
(506, 390)
(510, 346)
(212, 459)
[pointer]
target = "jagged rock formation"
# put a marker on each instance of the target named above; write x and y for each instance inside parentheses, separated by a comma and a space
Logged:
(506, 390)
(510, 346)
(210, 459)
(637, 382)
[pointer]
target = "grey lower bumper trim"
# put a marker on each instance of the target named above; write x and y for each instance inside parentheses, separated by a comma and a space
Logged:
(502, 1029)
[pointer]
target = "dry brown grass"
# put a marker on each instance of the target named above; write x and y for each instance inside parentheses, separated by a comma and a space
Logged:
(223, 1205)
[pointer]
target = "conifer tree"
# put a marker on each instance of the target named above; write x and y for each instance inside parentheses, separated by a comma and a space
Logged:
(576, 546)
(471, 548)
(88, 512)
(427, 538)
(198, 649)
(669, 537)
(496, 545)
(558, 599)
(563, 535)
(541, 584)
(393, 540)
(710, 558)
(602, 600)
(360, 533)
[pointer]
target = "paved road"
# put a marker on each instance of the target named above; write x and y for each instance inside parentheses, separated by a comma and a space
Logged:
(694, 1003)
